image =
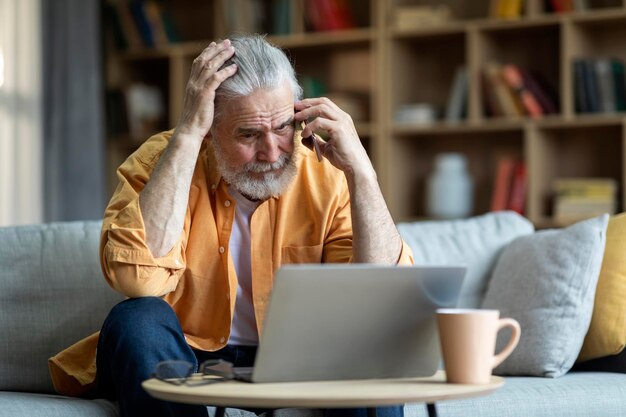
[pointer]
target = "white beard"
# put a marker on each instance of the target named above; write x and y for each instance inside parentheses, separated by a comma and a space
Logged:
(271, 185)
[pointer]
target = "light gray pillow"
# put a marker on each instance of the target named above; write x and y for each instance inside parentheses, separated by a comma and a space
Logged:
(475, 242)
(547, 282)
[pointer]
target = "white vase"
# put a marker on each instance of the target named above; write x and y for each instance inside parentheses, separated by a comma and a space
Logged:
(449, 188)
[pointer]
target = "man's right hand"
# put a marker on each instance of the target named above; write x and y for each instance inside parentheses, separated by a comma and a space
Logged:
(164, 199)
(199, 102)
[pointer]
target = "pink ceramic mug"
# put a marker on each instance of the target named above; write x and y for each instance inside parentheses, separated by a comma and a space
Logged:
(468, 343)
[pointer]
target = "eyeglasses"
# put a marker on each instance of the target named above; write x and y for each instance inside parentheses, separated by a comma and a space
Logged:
(179, 372)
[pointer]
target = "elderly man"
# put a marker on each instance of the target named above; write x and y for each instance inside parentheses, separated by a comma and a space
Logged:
(205, 214)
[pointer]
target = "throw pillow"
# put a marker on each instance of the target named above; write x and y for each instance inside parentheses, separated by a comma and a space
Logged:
(607, 332)
(547, 282)
(475, 242)
(611, 363)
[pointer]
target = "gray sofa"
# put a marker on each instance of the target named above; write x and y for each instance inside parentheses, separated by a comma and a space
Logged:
(52, 294)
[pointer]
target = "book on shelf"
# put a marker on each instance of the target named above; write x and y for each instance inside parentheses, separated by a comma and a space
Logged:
(541, 90)
(585, 187)
(580, 198)
(512, 74)
(619, 82)
(564, 6)
(419, 16)
(510, 185)
(599, 85)
(590, 80)
(507, 101)
(120, 20)
(506, 9)
(140, 23)
(491, 105)
(243, 16)
(505, 168)
(329, 15)
(456, 107)
(580, 92)
(280, 17)
(517, 197)
(512, 90)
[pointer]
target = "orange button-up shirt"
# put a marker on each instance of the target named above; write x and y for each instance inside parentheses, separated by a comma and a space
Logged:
(309, 223)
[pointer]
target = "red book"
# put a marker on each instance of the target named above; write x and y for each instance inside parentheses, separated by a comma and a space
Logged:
(502, 184)
(515, 80)
(517, 197)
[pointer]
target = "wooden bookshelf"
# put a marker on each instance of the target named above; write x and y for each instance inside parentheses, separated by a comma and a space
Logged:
(396, 66)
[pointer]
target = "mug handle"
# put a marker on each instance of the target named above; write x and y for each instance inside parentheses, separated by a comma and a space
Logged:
(508, 349)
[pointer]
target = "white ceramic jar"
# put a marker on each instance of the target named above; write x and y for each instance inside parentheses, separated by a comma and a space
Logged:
(449, 188)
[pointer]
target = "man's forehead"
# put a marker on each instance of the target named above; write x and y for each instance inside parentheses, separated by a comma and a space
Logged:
(269, 106)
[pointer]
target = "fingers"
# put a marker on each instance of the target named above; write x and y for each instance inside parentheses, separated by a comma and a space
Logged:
(317, 108)
(213, 82)
(323, 124)
(211, 59)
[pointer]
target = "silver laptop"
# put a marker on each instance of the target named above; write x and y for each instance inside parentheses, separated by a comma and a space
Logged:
(358, 321)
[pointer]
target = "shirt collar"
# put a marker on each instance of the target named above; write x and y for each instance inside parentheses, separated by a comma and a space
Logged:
(211, 166)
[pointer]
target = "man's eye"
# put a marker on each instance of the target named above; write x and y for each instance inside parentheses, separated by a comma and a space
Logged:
(248, 136)
(284, 127)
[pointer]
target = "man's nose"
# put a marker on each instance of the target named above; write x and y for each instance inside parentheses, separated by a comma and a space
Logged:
(269, 149)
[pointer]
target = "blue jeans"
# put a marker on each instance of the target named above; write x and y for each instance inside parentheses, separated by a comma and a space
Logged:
(139, 333)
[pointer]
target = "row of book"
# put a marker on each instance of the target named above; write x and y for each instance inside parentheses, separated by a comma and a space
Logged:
(511, 90)
(599, 85)
(135, 24)
(576, 199)
(329, 15)
(281, 17)
(514, 8)
(564, 6)
(506, 9)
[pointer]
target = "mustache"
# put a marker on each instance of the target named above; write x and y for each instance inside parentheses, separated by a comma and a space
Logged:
(262, 167)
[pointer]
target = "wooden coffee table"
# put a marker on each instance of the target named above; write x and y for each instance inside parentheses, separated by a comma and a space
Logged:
(368, 393)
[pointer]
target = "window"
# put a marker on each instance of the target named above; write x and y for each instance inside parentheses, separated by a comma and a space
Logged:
(21, 164)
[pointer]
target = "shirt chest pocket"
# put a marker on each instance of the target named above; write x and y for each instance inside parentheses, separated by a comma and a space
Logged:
(302, 254)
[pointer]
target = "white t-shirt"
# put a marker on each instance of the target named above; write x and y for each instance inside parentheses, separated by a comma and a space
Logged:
(243, 329)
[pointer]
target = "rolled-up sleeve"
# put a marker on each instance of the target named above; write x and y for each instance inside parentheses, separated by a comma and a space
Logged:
(126, 260)
(406, 255)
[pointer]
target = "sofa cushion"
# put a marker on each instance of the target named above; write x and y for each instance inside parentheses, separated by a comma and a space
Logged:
(16, 404)
(547, 282)
(573, 395)
(607, 331)
(52, 294)
(475, 242)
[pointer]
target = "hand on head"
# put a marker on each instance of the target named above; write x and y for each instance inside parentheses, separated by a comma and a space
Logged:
(206, 76)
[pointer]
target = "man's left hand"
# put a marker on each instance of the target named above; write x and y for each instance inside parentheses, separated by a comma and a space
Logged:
(343, 148)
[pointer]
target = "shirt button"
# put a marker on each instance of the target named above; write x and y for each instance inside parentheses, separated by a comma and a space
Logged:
(221, 249)
(213, 187)
(227, 203)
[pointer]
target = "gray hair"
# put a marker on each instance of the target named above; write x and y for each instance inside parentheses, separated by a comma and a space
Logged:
(260, 65)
